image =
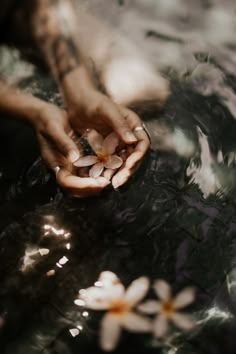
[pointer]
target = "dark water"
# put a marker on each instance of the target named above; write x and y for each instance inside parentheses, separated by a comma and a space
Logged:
(175, 219)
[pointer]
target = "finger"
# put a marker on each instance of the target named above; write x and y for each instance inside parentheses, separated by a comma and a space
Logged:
(143, 139)
(65, 145)
(131, 165)
(122, 177)
(134, 121)
(118, 122)
(67, 180)
(50, 156)
(138, 153)
(108, 173)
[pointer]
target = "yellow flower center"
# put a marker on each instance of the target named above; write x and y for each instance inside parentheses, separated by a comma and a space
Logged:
(102, 156)
(118, 308)
(167, 308)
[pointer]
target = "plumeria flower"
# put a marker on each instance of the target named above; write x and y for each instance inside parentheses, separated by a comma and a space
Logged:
(167, 308)
(105, 154)
(108, 279)
(119, 304)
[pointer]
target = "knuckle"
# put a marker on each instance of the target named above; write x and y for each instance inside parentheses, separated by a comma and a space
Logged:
(100, 108)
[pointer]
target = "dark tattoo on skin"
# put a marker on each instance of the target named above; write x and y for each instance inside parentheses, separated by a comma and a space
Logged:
(65, 55)
(61, 49)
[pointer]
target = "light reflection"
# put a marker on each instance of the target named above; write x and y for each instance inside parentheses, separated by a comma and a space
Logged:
(79, 302)
(44, 251)
(74, 332)
(31, 256)
(216, 312)
(204, 175)
(50, 273)
(63, 260)
(47, 227)
(52, 229)
(173, 351)
(85, 314)
(68, 246)
(98, 284)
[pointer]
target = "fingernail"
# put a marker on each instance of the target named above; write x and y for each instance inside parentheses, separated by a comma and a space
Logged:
(115, 186)
(73, 156)
(115, 183)
(130, 137)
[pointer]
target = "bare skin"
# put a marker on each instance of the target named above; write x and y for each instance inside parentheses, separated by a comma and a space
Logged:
(54, 29)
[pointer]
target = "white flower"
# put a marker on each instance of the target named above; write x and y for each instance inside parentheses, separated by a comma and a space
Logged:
(108, 279)
(104, 149)
(167, 308)
(119, 304)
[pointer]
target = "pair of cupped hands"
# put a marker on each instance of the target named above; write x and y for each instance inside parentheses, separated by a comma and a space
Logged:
(106, 125)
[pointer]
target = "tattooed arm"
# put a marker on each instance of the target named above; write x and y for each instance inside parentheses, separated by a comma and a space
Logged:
(55, 28)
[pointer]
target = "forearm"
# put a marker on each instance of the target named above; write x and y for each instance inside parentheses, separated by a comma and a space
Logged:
(54, 28)
(18, 104)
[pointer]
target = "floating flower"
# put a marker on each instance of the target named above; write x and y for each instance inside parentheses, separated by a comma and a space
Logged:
(108, 279)
(167, 308)
(105, 151)
(119, 304)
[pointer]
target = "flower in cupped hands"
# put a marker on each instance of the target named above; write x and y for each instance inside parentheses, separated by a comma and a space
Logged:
(105, 154)
(110, 295)
(167, 308)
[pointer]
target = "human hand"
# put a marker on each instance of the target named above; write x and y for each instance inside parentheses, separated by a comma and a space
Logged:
(90, 109)
(58, 149)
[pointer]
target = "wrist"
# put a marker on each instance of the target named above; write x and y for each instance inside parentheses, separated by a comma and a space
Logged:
(33, 110)
(19, 104)
(79, 79)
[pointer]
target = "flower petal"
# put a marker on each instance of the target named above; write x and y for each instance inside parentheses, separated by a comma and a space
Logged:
(96, 298)
(95, 140)
(113, 162)
(110, 332)
(108, 278)
(137, 290)
(110, 143)
(149, 307)
(116, 292)
(162, 289)
(86, 161)
(96, 170)
(136, 323)
(182, 321)
(184, 298)
(160, 326)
